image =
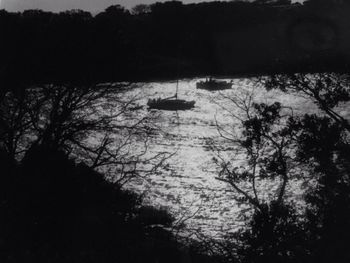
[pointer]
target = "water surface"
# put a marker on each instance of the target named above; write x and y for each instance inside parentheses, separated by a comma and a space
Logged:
(188, 187)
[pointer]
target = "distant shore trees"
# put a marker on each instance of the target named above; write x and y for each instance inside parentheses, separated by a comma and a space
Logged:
(155, 41)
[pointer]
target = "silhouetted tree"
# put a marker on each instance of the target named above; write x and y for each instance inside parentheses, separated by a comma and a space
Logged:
(70, 118)
(322, 144)
(266, 141)
(310, 148)
(265, 138)
(54, 205)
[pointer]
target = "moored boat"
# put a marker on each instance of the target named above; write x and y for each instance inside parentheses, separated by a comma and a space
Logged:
(212, 84)
(171, 103)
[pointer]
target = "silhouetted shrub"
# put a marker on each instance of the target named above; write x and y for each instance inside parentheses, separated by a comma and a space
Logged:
(65, 212)
(274, 235)
(324, 145)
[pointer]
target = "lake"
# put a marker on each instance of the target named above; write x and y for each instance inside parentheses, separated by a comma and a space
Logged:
(187, 187)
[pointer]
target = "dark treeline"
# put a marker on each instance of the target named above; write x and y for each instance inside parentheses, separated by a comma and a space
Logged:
(170, 40)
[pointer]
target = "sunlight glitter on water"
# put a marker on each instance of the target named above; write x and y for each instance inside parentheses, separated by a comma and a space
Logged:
(188, 187)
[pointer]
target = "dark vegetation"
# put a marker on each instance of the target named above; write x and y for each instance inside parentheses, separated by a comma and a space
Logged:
(171, 40)
(55, 205)
(282, 147)
(55, 210)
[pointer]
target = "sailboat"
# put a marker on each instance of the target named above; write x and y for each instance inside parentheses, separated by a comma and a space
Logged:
(213, 84)
(172, 103)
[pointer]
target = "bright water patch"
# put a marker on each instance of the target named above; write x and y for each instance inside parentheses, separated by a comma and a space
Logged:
(188, 187)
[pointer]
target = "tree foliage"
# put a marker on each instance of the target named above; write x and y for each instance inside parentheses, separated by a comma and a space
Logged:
(283, 147)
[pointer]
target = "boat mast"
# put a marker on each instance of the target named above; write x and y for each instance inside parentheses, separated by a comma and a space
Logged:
(177, 88)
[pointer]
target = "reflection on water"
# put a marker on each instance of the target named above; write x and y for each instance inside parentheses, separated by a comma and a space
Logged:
(188, 186)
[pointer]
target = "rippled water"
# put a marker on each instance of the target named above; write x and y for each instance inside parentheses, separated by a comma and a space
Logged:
(188, 188)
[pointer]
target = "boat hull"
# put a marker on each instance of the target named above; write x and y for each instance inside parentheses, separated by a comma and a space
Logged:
(214, 85)
(171, 105)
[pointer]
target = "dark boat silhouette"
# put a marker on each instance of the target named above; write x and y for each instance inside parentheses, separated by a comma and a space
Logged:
(171, 103)
(213, 84)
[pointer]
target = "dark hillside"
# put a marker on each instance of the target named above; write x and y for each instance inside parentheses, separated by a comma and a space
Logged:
(170, 40)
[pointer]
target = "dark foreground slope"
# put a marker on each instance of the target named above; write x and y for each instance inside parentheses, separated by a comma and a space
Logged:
(53, 210)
